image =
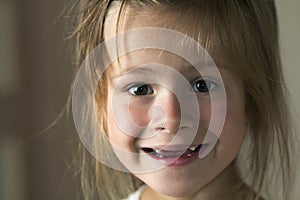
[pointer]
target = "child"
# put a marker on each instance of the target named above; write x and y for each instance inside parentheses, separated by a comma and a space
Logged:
(173, 119)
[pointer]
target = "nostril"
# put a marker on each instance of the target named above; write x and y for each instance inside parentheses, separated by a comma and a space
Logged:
(160, 121)
(173, 129)
(160, 129)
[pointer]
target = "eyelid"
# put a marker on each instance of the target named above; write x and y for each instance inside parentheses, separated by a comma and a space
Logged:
(206, 79)
(138, 84)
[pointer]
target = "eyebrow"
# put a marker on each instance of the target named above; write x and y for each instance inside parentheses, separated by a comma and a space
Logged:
(188, 68)
(200, 66)
(133, 71)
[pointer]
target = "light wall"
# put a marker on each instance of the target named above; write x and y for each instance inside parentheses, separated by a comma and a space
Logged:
(289, 21)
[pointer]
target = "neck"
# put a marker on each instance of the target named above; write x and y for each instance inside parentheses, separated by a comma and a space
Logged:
(224, 187)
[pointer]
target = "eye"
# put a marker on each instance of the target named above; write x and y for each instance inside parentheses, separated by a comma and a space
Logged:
(203, 86)
(140, 90)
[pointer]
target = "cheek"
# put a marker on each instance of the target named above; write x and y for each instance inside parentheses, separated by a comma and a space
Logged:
(212, 116)
(231, 133)
(138, 112)
(205, 113)
(235, 125)
(126, 121)
(118, 135)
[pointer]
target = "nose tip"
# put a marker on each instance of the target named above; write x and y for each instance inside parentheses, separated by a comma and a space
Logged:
(166, 113)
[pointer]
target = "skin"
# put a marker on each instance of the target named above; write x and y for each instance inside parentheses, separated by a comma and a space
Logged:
(208, 178)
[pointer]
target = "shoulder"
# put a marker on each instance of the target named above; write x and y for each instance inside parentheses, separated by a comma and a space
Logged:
(137, 194)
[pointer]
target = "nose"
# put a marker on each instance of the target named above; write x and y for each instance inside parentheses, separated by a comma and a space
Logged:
(165, 113)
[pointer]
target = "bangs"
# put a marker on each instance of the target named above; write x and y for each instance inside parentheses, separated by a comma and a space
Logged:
(222, 28)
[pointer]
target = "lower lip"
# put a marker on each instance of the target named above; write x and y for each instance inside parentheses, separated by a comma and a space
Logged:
(173, 162)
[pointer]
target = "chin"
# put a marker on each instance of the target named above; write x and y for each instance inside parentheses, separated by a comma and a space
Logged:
(177, 190)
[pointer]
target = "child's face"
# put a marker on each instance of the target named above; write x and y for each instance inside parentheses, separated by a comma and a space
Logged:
(135, 97)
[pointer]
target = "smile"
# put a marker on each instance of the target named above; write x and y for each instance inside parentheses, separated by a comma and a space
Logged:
(159, 153)
(174, 157)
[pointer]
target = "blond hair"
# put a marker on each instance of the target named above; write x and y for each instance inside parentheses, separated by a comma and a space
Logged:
(247, 33)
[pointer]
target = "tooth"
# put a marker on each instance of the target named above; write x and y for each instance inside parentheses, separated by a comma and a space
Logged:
(157, 151)
(193, 148)
(160, 156)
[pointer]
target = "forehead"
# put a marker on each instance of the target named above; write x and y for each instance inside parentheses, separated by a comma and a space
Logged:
(134, 18)
(150, 58)
(163, 17)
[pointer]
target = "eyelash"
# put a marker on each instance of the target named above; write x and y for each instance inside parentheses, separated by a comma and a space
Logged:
(146, 89)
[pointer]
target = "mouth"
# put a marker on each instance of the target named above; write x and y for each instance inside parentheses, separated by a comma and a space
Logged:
(160, 153)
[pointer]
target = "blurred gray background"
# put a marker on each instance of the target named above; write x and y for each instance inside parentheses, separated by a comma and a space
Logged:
(289, 21)
(35, 75)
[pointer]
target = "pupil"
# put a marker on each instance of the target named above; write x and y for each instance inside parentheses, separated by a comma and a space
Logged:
(201, 85)
(141, 90)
